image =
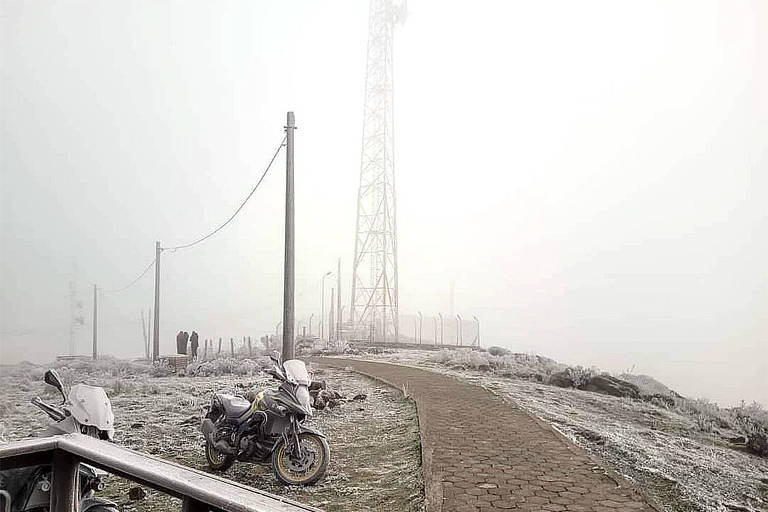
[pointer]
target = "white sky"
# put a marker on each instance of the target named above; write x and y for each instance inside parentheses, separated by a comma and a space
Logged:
(591, 174)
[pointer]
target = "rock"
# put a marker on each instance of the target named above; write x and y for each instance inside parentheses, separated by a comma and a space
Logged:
(607, 385)
(484, 367)
(319, 403)
(137, 493)
(361, 396)
(332, 403)
(738, 440)
(758, 443)
(499, 351)
(138, 424)
(317, 385)
(561, 379)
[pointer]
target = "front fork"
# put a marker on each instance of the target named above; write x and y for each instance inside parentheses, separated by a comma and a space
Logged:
(291, 439)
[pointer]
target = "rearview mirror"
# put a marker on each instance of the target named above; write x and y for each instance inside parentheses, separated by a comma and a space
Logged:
(52, 378)
(275, 356)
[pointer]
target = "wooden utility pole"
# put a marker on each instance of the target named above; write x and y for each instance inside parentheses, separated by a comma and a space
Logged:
(95, 318)
(289, 278)
(156, 327)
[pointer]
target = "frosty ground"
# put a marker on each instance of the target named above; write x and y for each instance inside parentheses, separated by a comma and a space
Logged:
(664, 452)
(375, 451)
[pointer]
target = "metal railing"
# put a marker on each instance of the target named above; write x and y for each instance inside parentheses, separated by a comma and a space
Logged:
(199, 491)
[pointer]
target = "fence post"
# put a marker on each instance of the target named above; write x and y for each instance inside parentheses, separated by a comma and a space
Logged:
(232, 346)
(250, 347)
(219, 352)
(205, 350)
(65, 482)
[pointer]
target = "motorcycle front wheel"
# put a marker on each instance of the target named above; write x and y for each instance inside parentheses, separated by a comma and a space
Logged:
(217, 460)
(307, 469)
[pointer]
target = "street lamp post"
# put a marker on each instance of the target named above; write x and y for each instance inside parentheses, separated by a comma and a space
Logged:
(458, 330)
(420, 325)
(477, 336)
(322, 306)
(310, 324)
(442, 328)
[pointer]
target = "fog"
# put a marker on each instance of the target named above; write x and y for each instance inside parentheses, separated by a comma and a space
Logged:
(592, 175)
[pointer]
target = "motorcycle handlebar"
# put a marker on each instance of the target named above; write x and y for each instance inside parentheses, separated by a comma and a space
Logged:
(53, 412)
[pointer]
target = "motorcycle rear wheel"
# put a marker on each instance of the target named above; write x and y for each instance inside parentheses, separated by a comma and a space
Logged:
(307, 471)
(217, 460)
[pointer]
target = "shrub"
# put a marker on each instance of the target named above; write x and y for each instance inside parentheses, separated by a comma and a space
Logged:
(160, 369)
(499, 351)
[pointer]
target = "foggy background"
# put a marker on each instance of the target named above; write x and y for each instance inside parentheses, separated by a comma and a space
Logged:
(592, 175)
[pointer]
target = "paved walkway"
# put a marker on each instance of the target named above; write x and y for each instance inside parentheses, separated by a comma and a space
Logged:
(483, 454)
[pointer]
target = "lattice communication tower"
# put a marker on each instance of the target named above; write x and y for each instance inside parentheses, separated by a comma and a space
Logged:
(374, 308)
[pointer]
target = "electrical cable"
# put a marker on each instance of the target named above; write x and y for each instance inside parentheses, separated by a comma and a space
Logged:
(253, 190)
(135, 280)
(185, 246)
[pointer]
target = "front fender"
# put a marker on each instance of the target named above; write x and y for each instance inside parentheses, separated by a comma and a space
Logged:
(302, 430)
(310, 430)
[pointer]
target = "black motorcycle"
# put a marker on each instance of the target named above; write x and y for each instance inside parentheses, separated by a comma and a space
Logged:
(268, 425)
(86, 410)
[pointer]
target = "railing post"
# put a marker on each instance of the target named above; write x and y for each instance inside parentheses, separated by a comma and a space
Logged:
(192, 505)
(64, 487)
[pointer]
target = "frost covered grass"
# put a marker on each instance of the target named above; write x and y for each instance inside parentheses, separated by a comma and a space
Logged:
(375, 443)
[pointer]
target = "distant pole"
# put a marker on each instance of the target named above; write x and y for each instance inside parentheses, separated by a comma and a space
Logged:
(219, 351)
(205, 350)
(434, 320)
(338, 300)
(442, 328)
(288, 286)
(420, 327)
(322, 306)
(95, 321)
(458, 330)
(156, 332)
(310, 324)
(250, 347)
(415, 329)
(477, 336)
(330, 317)
(232, 346)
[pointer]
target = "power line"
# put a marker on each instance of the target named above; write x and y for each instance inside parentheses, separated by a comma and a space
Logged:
(136, 280)
(253, 190)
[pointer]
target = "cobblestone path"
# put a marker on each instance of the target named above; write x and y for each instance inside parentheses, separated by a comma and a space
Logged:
(483, 454)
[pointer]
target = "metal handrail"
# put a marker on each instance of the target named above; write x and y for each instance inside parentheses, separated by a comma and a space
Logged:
(199, 491)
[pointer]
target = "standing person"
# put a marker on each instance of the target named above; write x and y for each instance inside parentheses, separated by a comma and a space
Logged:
(184, 341)
(179, 338)
(193, 344)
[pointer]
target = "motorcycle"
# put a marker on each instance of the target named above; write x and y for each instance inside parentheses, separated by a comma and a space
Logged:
(268, 426)
(86, 410)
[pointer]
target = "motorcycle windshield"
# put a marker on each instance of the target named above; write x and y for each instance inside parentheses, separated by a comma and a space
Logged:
(296, 372)
(91, 406)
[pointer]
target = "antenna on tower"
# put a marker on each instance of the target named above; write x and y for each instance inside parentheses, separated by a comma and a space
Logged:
(374, 309)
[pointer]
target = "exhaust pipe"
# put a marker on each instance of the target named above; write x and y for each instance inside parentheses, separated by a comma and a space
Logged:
(222, 446)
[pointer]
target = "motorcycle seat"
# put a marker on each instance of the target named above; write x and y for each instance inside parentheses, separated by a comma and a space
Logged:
(234, 406)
